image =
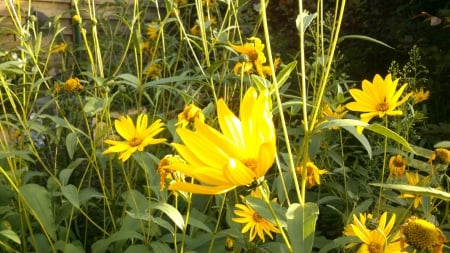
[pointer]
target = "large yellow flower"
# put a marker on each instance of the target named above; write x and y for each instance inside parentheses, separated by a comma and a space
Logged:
(422, 235)
(254, 223)
(376, 239)
(240, 155)
(136, 137)
(379, 98)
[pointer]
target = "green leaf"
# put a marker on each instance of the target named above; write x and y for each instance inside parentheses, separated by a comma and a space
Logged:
(419, 190)
(158, 247)
(38, 203)
(442, 144)
(283, 75)
(339, 243)
(87, 193)
(198, 224)
(137, 248)
(71, 194)
(71, 143)
(361, 138)
(170, 211)
(94, 105)
(363, 37)
(11, 235)
(379, 129)
(301, 224)
(101, 246)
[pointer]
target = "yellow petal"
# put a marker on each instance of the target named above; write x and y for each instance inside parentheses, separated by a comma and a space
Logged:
(200, 189)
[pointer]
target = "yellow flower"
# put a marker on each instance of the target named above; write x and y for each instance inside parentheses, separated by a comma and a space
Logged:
(169, 174)
(422, 235)
(254, 223)
(413, 179)
(239, 156)
(153, 71)
(136, 137)
(73, 84)
(267, 70)
(76, 19)
(59, 48)
(190, 114)
(339, 113)
(195, 30)
(313, 174)
(379, 98)
(397, 166)
(253, 52)
(153, 30)
(376, 239)
(421, 95)
(441, 155)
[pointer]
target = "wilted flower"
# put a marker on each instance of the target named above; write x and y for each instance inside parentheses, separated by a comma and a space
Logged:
(136, 137)
(422, 235)
(73, 84)
(255, 58)
(153, 30)
(379, 98)
(167, 173)
(153, 71)
(441, 155)
(397, 166)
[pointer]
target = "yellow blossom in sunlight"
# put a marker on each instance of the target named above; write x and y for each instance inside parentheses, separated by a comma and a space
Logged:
(422, 235)
(153, 30)
(421, 95)
(339, 113)
(254, 223)
(59, 48)
(376, 239)
(153, 71)
(255, 58)
(189, 115)
(413, 179)
(441, 155)
(169, 174)
(379, 98)
(76, 19)
(136, 137)
(267, 70)
(397, 166)
(238, 156)
(313, 174)
(73, 84)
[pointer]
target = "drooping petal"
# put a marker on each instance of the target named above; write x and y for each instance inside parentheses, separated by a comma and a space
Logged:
(200, 189)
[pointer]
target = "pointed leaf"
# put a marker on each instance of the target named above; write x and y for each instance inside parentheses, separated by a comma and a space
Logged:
(170, 211)
(71, 144)
(419, 190)
(301, 224)
(379, 129)
(11, 235)
(38, 202)
(70, 192)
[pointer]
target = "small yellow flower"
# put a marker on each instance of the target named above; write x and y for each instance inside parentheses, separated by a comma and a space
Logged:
(267, 70)
(195, 30)
(253, 52)
(441, 155)
(73, 84)
(421, 95)
(153, 71)
(59, 48)
(339, 113)
(254, 223)
(153, 30)
(379, 98)
(169, 174)
(376, 239)
(136, 137)
(313, 174)
(76, 19)
(397, 166)
(422, 235)
(238, 156)
(413, 179)
(189, 115)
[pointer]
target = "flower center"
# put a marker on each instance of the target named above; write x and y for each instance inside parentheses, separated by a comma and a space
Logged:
(398, 163)
(135, 141)
(253, 55)
(251, 164)
(375, 248)
(382, 107)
